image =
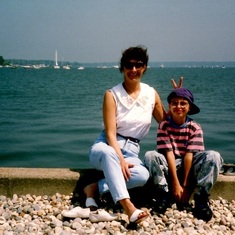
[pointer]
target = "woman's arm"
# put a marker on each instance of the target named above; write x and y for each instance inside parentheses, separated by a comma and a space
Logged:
(159, 112)
(109, 118)
(174, 84)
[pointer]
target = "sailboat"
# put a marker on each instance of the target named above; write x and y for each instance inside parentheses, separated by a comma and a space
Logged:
(80, 68)
(66, 67)
(56, 66)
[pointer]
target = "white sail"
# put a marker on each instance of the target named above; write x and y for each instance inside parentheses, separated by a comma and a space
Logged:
(56, 66)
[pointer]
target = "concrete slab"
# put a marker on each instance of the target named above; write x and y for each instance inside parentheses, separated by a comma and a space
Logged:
(37, 181)
(48, 181)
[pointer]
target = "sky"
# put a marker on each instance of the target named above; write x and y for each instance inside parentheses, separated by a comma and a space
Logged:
(99, 30)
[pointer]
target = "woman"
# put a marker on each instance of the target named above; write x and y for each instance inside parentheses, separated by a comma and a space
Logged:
(127, 112)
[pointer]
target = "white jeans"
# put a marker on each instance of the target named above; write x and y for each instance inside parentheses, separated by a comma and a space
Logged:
(103, 157)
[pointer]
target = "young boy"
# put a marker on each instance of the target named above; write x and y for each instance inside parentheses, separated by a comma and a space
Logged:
(180, 165)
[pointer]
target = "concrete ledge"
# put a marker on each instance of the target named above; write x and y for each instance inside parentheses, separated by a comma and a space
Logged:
(224, 187)
(37, 181)
(48, 181)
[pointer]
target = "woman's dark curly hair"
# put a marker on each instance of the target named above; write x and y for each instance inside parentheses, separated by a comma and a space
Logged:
(138, 53)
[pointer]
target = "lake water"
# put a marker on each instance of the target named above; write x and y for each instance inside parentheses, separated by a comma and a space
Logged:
(50, 118)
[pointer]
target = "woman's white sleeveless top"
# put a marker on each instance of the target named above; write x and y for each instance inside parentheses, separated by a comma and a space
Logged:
(133, 116)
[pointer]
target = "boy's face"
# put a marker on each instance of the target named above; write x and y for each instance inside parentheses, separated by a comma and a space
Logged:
(179, 107)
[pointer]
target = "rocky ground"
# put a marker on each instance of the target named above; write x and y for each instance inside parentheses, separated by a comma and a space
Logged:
(36, 215)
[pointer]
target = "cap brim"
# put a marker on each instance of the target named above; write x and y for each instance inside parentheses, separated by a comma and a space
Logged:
(193, 109)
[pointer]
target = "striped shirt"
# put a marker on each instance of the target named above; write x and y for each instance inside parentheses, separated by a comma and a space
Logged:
(180, 139)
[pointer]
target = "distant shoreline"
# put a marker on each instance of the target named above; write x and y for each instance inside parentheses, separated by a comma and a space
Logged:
(183, 64)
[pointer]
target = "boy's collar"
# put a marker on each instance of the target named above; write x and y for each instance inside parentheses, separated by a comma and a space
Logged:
(177, 126)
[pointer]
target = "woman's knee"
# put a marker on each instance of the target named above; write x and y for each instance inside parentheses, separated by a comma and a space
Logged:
(145, 175)
(101, 150)
(102, 155)
(140, 175)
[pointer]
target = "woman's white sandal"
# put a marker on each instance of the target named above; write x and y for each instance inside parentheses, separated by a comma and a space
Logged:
(136, 218)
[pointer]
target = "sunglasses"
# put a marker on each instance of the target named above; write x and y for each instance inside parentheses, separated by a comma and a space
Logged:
(182, 104)
(130, 65)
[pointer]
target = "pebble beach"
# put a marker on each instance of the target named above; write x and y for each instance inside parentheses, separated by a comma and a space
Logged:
(41, 215)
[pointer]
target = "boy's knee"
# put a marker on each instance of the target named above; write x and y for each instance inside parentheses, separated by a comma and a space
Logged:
(149, 156)
(214, 157)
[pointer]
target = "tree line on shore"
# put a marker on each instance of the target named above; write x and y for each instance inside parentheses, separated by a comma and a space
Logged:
(3, 61)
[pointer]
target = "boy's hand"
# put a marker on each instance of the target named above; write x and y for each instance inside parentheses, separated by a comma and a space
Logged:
(181, 194)
(185, 196)
(178, 192)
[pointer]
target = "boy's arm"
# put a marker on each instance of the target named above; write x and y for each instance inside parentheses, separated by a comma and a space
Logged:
(176, 187)
(188, 161)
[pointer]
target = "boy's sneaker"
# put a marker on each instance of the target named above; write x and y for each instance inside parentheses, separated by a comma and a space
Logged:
(161, 201)
(202, 209)
(184, 207)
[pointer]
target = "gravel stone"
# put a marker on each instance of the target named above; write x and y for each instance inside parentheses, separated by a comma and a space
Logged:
(41, 215)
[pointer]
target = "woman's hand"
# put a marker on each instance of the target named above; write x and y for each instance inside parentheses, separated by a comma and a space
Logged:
(175, 85)
(125, 169)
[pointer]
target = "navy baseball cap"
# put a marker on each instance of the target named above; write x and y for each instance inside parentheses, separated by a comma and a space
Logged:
(186, 94)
